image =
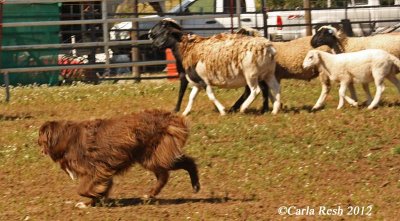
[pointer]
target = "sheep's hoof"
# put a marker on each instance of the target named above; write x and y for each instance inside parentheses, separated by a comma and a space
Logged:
(370, 107)
(223, 113)
(315, 108)
(368, 102)
(232, 110)
(355, 104)
(274, 112)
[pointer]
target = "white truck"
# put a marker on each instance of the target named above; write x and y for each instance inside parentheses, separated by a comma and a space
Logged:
(363, 14)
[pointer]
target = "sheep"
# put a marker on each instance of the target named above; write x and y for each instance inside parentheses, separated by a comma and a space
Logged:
(184, 83)
(223, 60)
(358, 67)
(340, 43)
(289, 60)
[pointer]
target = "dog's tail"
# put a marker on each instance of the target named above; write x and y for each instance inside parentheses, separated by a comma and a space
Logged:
(171, 145)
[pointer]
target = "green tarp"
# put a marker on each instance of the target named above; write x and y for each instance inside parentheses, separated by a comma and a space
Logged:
(31, 36)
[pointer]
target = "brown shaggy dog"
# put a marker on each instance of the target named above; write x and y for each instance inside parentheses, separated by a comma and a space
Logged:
(94, 151)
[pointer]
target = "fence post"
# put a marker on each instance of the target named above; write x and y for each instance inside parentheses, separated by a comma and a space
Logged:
(134, 37)
(307, 16)
(265, 17)
(238, 12)
(231, 13)
(6, 77)
(104, 14)
(7, 84)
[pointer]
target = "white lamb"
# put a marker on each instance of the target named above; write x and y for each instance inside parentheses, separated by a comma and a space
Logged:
(356, 67)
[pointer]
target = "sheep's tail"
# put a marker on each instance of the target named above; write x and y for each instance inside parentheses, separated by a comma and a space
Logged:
(395, 61)
(171, 145)
(271, 51)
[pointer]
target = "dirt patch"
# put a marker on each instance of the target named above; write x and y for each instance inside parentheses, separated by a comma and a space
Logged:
(250, 165)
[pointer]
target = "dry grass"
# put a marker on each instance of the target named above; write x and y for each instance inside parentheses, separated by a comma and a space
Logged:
(250, 164)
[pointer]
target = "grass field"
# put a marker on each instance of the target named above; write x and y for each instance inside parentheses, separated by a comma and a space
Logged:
(250, 164)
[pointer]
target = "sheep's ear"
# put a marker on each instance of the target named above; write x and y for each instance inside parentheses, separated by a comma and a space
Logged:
(317, 55)
(167, 22)
(177, 34)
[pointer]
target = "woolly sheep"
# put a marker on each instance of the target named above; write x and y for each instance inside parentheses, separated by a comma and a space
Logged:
(224, 60)
(340, 43)
(358, 67)
(289, 60)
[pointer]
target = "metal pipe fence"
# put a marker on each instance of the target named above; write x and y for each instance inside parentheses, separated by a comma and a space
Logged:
(105, 20)
(106, 43)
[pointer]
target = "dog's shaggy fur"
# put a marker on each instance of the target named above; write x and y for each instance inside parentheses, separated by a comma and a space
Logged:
(94, 151)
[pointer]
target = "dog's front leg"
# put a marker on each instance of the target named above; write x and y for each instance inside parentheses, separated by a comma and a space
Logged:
(103, 201)
(96, 190)
(84, 205)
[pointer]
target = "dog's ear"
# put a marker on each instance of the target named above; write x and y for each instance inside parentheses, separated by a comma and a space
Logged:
(49, 136)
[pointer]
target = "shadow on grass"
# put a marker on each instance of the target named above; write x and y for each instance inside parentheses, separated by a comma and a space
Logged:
(284, 109)
(14, 117)
(297, 110)
(308, 108)
(138, 201)
(389, 104)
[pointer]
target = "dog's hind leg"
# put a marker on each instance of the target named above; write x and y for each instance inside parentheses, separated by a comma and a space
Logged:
(187, 163)
(162, 179)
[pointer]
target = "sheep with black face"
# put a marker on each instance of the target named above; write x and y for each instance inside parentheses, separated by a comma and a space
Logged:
(223, 60)
(338, 41)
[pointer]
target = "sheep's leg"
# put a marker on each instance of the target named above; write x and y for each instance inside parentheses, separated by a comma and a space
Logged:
(162, 179)
(367, 92)
(275, 88)
(353, 94)
(187, 163)
(392, 78)
(342, 94)
(254, 90)
(182, 89)
(352, 100)
(240, 101)
(379, 89)
(212, 97)
(265, 92)
(192, 96)
(326, 87)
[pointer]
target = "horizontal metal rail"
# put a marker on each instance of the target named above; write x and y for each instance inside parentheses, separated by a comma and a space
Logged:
(110, 20)
(11, 2)
(76, 45)
(137, 78)
(85, 66)
(52, 1)
(326, 23)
